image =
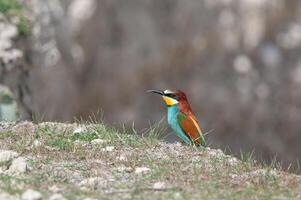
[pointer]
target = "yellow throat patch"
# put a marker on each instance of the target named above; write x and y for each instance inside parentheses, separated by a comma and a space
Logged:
(169, 101)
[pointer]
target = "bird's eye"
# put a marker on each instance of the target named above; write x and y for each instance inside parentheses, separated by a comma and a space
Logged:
(173, 96)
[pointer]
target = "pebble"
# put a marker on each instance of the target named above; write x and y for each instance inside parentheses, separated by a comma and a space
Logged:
(31, 195)
(97, 142)
(79, 143)
(80, 129)
(232, 161)
(5, 196)
(55, 189)
(139, 170)
(121, 158)
(57, 197)
(159, 186)
(93, 182)
(18, 166)
(124, 169)
(36, 143)
(6, 155)
(108, 148)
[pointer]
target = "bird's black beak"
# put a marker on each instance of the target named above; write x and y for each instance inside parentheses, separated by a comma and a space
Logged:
(156, 91)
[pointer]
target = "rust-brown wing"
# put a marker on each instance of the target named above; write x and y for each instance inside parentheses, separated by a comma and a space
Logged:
(190, 126)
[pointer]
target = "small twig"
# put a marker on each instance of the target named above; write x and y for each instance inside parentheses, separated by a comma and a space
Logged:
(209, 132)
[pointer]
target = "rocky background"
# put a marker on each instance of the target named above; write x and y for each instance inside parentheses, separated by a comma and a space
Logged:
(238, 61)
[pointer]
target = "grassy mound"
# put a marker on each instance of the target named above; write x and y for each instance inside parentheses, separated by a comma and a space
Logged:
(97, 161)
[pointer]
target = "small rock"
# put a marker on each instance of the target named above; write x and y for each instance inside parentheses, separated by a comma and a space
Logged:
(159, 186)
(178, 144)
(5, 196)
(108, 148)
(216, 153)
(31, 195)
(139, 170)
(57, 197)
(18, 166)
(36, 143)
(233, 176)
(97, 142)
(124, 169)
(178, 195)
(232, 161)
(91, 182)
(79, 143)
(264, 172)
(51, 148)
(9, 32)
(79, 129)
(6, 155)
(121, 158)
(55, 189)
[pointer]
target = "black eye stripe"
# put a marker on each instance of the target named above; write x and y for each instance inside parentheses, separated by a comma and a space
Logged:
(172, 96)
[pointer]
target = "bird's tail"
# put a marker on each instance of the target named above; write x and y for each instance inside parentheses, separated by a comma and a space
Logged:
(200, 141)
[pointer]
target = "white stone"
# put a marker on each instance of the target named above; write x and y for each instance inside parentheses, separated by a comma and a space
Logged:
(91, 182)
(55, 189)
(10, 31)
(159, 186)
(232, 161)
(79, 143)
(18, 166)
(178, 144)
(97, 142)
(6, 155)
(124, 169)
(108, 148)
(5, 196)
(264, 172)
(57, 197)
(31, 195)
(139, 170)
(79, 129)
(234, 176)
(36, 143)
(5, 44)
(121, 158)
(216, 153)
(121, 169)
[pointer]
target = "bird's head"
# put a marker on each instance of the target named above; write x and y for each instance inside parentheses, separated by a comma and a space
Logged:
(170, 97)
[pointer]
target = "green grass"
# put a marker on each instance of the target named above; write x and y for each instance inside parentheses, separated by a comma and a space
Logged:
(9, 5)
(8, 184)
(189, 172)
(13, 7)
(63, 139)
(5, 134)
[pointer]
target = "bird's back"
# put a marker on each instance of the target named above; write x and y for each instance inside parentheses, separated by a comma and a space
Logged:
(190, 123)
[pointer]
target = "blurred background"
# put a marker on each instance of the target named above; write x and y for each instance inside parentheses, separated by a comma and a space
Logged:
(238, 61)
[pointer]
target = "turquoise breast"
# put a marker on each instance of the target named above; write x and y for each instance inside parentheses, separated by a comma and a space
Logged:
(174, 124)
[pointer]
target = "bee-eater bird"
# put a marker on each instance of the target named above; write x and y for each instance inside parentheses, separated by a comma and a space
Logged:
(181, 118)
